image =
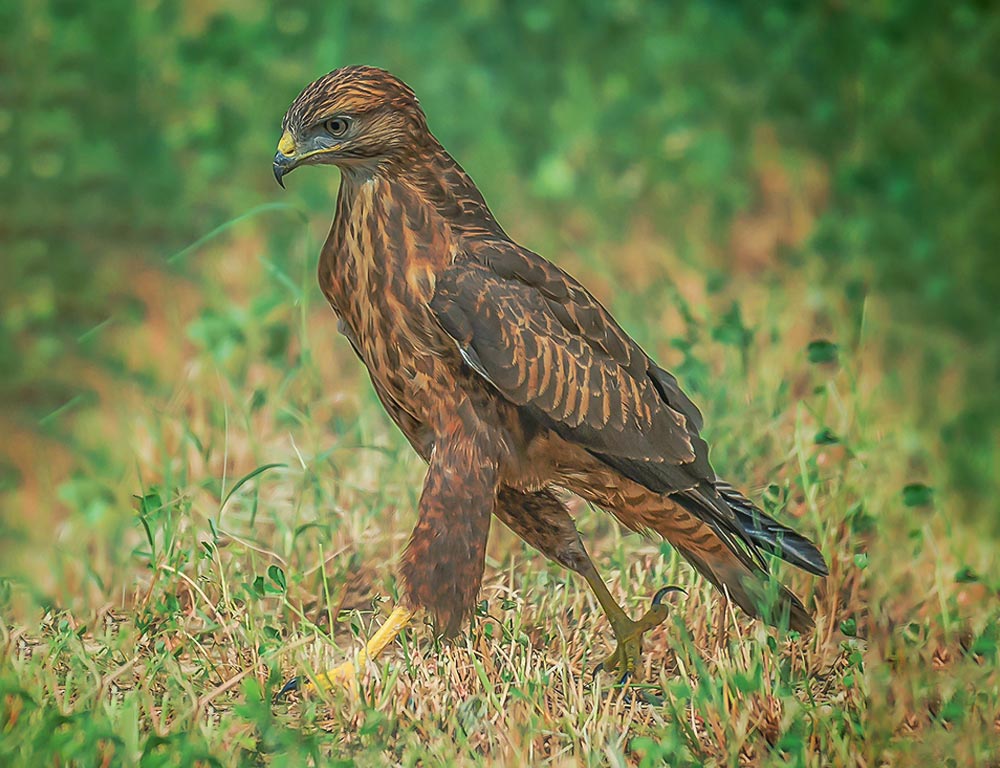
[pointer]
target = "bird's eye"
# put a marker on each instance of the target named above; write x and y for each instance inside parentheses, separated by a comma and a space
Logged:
(336, 126)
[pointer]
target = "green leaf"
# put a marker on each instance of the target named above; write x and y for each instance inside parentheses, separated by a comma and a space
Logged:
(986, 643)
(731, 329)
(849, 627)
(248, 477)
(277, 576)
(258, 399)
(149, 503)
(821, 351)
(374, 721)
(966, 575)
(748, 683)
(826, 437)
(259, 587)
(917, 495)
(955, 709)
(859, 520)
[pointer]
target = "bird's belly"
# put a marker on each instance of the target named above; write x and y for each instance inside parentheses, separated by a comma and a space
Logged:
(410, 365)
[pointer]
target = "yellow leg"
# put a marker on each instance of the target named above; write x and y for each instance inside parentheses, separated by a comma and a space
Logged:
(346, 675)
(624, 660)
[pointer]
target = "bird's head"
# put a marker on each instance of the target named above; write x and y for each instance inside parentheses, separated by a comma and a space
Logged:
(356, 118)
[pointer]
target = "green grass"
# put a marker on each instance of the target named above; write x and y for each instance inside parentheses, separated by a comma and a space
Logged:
(228, 509)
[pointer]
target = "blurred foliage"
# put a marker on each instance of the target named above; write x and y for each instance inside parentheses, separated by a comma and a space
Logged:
(133, 128)
(840, 159)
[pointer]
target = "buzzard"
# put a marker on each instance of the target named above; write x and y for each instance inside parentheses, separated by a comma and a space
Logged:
(509, 379)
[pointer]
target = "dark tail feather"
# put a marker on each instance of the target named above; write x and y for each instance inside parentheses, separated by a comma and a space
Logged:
(770, 535)
(727, 552)
(750, 588)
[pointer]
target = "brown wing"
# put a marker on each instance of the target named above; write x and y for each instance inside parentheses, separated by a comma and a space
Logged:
(547, 345)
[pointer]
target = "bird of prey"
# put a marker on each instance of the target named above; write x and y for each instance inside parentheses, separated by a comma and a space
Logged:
(509, 379)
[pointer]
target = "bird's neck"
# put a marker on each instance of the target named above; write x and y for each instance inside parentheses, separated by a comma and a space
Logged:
(396, 226)
(437, 181)
(385, 245)
(444, 185)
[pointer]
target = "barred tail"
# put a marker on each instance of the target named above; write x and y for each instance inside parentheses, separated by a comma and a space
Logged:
(722, 534)
(749, 587)
(770, 535)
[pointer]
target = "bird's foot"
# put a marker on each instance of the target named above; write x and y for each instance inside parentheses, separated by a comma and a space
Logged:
(624, 660)
(344, 676)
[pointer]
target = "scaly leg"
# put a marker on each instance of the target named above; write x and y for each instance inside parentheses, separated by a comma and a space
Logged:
(542, 520)
(346, 675)
(624, 659)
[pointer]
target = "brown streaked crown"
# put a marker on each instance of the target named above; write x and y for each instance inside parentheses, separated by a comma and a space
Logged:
(351, 90)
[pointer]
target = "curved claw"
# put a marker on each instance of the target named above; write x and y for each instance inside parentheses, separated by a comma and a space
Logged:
(292, 685)
(662, 593)
(624, 660)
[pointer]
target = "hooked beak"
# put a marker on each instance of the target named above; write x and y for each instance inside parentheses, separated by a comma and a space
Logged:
(285, 158)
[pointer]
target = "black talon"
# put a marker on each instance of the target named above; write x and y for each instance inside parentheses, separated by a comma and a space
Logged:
(629, 634)
(292, 685)
(658, 597)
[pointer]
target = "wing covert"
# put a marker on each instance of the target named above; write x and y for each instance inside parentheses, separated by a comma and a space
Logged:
(548, 346)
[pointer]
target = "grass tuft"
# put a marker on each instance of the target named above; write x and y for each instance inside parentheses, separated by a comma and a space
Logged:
(156, 604)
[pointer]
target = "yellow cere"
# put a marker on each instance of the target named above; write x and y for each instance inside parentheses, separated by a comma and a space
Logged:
(287, 144)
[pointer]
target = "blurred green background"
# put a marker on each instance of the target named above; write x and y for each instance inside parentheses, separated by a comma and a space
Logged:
(793, 206)
(132, 129)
